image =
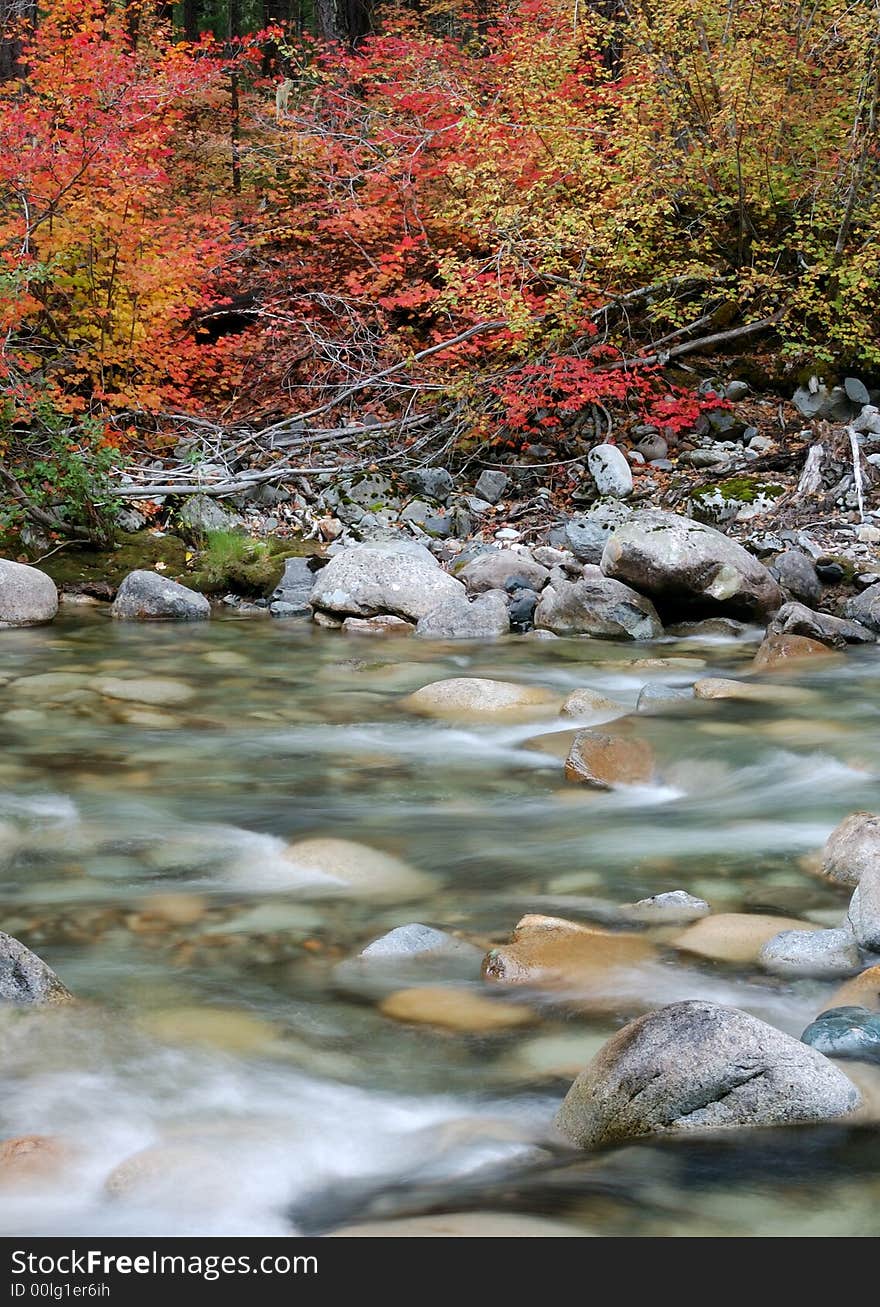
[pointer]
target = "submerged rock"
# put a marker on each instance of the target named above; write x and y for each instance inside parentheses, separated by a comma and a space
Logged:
(674, 908)
(682, 564)
(25, 978)
(735, 936)
(147, 596)
(605, 761)
(27, 596)
(599, 607)
(383, 624)
(458, 1009)
(846, 1032)
(158, 691)
(333, 867)
(779, 650)
(408, 957)
(474, 698)
(699, 1066)
(862, 991)
(463, 1225)
(33, 1161)
(399, 577)
(558, 954)
(589, 705)
(852, 848)
(819, 953)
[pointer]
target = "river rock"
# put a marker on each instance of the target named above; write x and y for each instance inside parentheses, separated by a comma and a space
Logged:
(846, 1032)
(778, 651)
(33, 1161)
(25, 978)
(147, 596)
(720, 687)
(820, 953)
(201, 514)
(700, 1066)
(610, 471)
(735, 936)
(158, 691)
(231, 1029)
(862, 991)
(674, 908)
(836, 632)
(587, 535)
(295, 587)
(852, 849)
(657, 699)
(27, 596)
(463, 1225)
(491, 485)
(334, 867)
(400, 577)
(432, 482)
(476, 699)
(681, 565)
(458, 1009)
(408, 957)
(606, 761)
(382, 624)
(550, 952)
(497, 567)
(458, 618)
(865, 608)
(589, 705)
(864, 910)
(797, 575)
(599, 607)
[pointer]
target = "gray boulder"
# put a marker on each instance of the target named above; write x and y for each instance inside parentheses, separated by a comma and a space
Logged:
(797, 619)
(147, 596)
(600, 607)
(201, 514)
(864, 910)
(699, 1066)
(852, 849)
(657, 698)
(400, 577)
(683, 564)
(458, 618)
(846, 1032)
(587, 535)
(491, 485)
(27, 596)
(294, 588)
(25, 978)
(493, 570)
(432, 482)
(865, 608)
(610, 471)
(797, 574)
(820, 953)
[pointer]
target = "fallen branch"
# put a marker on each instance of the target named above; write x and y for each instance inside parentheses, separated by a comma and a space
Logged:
(39, 516)
(691, 346)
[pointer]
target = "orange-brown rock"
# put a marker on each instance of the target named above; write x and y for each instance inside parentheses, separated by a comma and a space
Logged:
(862, 991)
(604, 761)
(32, 1160)
(454, 1008)
(735, 936)
(781, 650)
(560, 954)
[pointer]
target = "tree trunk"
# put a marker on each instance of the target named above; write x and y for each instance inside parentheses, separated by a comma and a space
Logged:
(326, 20)
(192, 20)
(14, 14)
(234, 30)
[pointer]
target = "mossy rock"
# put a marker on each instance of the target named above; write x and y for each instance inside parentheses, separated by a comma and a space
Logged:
(738, 497)
(243, 565)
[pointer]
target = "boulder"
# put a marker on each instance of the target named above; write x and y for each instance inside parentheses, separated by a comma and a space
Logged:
(432, 482)
(588, 705)
(862, 991)
(657, 699)
(27, 596)
(846, 1032)
(326, 867)
(778, 651)
(674, 908)
(610, 471)
(295, 587)
(399, 577)
(497, 567)
(605, 761)
(684, 565)
(864, 910)
(836, 632)
(588, 534)
(476, 699)
(797, 575)
(383, 624)
(735, 936)
(720, 687)
(550, 952)
(457, 618)
(864, 608)
(491, 485)
(824, 954)
(852, 849)
(147, 596)
(25, 978)
(699, 1066)
(599, 607)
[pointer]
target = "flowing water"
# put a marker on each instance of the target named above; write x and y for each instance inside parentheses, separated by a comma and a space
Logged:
(141, 849)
